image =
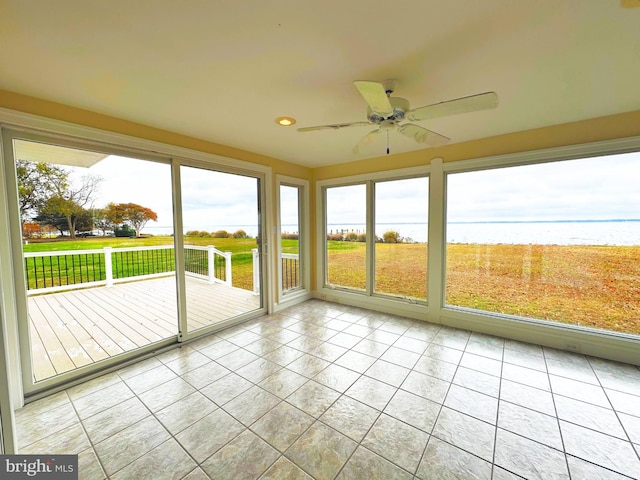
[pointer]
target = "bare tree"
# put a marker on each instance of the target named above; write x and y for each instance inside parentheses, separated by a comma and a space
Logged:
(71, 200)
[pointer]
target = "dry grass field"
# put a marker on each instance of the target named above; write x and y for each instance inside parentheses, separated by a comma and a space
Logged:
(591, 286)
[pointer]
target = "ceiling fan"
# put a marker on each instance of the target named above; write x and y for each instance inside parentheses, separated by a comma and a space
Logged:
(389, 113)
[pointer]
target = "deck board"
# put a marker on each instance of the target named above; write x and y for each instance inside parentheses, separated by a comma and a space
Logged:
(79, 327)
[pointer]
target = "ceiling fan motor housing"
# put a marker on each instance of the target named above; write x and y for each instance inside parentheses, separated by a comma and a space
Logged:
(399, 105)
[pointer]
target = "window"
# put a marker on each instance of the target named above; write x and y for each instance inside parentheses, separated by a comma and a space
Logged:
(555, 241)
(401, 213)
(98, 257)
(290, 200)
(376, 237)
(346, 230)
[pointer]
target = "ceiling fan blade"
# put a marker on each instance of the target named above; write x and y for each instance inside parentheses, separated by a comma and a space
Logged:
(335, 126)
(482, 101)
(375, 96)
(366, 140)
(422, 135)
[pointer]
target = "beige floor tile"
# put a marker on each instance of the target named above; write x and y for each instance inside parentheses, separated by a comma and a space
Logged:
(246, 457)
(366, 464)
(167, 461)
(282, 426)
(321, 451)
(442, 460)
(208, 435)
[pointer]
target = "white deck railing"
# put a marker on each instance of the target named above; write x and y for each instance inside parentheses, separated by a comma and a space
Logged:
(290, 271)
(48, 272)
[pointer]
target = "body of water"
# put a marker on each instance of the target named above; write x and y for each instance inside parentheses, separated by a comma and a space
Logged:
(614, 232)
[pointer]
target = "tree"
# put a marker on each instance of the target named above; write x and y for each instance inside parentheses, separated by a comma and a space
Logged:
(36, 181)
(70, 200)
(101, 220)
(54, 220)
(109, 217)
(135, 215)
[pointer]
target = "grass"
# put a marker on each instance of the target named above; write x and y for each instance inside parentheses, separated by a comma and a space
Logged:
(592, 286)
(240, 248)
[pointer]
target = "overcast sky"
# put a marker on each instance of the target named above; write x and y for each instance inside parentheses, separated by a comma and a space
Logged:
(210, 200)
(588, 189)
(598, 188)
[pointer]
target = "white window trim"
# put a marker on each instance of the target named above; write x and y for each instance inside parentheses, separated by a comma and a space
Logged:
(606, 344)
(304, 243)
(379, 302)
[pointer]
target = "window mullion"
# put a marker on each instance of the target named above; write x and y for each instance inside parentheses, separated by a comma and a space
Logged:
(371, 237)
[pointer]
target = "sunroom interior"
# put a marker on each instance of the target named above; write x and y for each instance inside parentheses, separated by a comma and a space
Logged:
(574, 104)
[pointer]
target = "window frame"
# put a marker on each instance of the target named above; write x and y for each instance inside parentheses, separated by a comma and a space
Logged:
(575, 338)
(367, 298)
(29, 127)
(303, 292)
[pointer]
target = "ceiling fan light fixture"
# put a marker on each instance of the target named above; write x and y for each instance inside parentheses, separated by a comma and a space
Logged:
(285, 121)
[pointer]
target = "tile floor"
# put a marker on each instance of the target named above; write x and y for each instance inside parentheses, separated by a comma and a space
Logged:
(326, 391)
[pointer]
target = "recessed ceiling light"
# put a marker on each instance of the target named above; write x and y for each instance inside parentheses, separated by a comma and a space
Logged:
(285, 121)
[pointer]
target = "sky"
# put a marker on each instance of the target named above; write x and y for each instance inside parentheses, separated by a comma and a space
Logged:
(587, 189)
(210, 200)
(600, 188)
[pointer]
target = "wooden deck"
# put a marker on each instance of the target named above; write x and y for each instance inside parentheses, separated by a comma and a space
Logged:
(76, 328)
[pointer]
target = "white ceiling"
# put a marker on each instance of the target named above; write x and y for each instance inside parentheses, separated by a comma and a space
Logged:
(224, 70)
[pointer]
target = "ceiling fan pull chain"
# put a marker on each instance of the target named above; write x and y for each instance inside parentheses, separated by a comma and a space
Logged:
(387, 142)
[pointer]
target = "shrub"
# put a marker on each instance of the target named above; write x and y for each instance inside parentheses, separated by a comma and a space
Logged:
(192, 233)
(391, 236)
(221, 234)
(204, 234)
(335, 236)
(124, 231)
(351, 237)
(289, 236)
(362, 237)
(240, 234)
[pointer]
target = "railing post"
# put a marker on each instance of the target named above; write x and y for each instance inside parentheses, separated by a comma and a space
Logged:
(108, 266)
(256, 272)
(227, 268)
(211, 271)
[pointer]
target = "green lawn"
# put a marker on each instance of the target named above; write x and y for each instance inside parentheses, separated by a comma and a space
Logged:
(240, 248)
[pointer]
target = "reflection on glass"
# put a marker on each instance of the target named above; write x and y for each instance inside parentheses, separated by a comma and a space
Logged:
(221, 227)
(557, 241)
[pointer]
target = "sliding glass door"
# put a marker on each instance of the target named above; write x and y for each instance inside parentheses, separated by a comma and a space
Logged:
(116, 256)
(97, 257)
(221, 226)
